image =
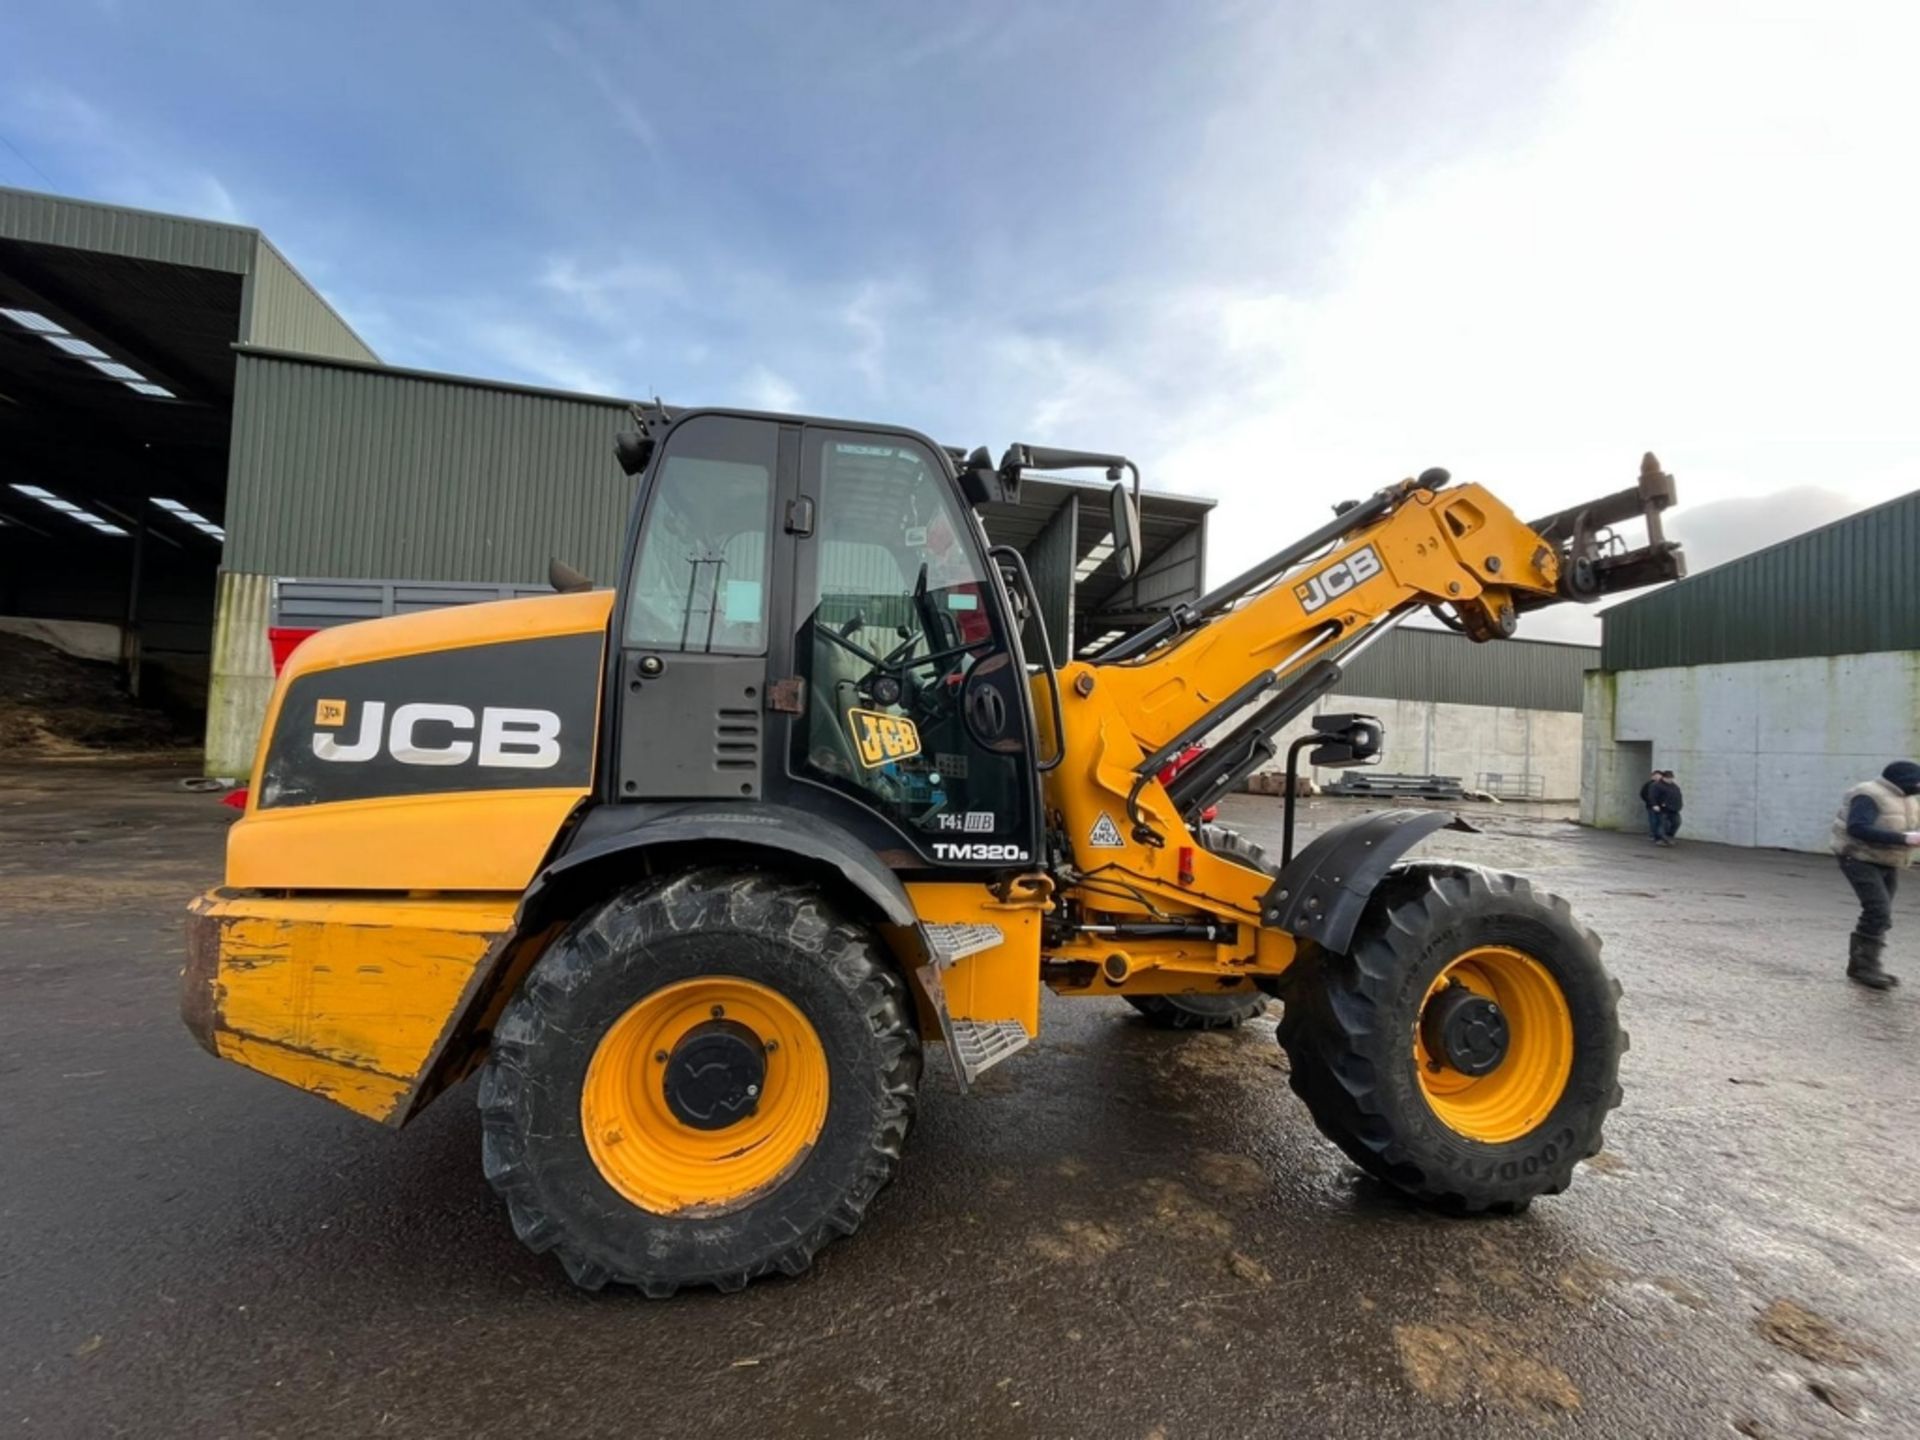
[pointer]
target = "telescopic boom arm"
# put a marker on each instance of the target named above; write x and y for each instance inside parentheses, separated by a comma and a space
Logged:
(1420, 543)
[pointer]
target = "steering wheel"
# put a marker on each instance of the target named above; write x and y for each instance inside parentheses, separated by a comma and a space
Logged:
(840, 637)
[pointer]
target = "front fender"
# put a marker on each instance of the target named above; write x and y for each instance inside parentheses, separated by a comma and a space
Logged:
(777, 830)
(1322, 892)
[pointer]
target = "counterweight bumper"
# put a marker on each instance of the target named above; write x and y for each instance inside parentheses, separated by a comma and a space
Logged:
(354, 999)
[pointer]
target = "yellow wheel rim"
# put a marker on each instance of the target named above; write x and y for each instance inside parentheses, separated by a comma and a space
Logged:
(1522, 1089)
(648, 1151)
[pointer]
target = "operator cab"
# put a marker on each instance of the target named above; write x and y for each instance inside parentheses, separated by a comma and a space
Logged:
(809, 616)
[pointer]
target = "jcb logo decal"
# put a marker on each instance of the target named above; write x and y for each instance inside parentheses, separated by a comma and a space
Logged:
(424, 734)
(880, 737)
(1331, 583)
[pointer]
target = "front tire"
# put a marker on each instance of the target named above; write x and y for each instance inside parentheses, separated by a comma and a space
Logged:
(703, 1080)
(1467, 1048)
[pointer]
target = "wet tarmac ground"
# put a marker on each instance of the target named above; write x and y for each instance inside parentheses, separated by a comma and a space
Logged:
(1122, 1233)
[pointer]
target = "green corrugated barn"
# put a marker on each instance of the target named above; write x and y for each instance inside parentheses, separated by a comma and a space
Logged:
(1768, 685)
(185, 422)
(187, 429)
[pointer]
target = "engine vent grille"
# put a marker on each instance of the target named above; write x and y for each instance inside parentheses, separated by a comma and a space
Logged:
(736, 739)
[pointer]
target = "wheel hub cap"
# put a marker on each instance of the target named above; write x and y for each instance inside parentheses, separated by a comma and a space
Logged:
(714, 1076)
(1493, 1044)
(704, 1095)
(1468, 1030)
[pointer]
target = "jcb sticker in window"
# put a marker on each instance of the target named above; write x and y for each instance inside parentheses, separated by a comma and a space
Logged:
(330, 712)
(881, 738)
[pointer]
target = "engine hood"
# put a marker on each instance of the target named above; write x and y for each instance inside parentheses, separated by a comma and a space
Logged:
(432, 751)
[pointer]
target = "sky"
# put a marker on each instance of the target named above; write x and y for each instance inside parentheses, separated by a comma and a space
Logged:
(1281, 254)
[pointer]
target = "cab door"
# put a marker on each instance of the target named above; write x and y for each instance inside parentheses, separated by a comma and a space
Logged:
(916, 705)
(693, 632)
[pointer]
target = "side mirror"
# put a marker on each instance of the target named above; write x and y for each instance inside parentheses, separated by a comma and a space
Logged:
(565, 579)
(984, 485)
(633, 450)
(1126, 531)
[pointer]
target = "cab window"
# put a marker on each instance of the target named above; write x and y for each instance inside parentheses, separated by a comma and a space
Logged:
(913, 702)
(700, 582)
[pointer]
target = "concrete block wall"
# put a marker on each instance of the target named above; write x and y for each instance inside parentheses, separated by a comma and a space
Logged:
(1428, 738)
(1762, 750)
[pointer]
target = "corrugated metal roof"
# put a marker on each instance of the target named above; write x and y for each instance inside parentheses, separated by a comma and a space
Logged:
(284, 312)
(1847, 588)
(1409, 664)
(278, 307)
(117, 230)
(352, 470)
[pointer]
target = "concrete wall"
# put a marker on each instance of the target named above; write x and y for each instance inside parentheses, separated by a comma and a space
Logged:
(240, 682)
(83, 639)
(1763, 750)
(1426, 737)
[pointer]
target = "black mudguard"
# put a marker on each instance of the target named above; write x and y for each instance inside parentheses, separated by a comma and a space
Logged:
(1322, 892)
(613, 846)
(632, 831)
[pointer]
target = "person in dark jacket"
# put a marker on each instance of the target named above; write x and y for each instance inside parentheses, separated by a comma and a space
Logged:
(1670, 798)
(1662, 798)
(1656, 827)
(1875, 835)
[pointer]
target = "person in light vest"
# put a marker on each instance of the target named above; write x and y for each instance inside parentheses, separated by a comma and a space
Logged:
(1876, 835)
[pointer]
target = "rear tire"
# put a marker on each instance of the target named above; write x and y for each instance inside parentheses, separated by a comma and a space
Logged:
(1198, 1012)
(1209, 1012)
(838, 1096)
(1353, 1032)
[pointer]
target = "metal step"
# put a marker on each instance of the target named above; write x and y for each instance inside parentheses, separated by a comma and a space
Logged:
(949, 943)
(974, 1046)
(979, 1045)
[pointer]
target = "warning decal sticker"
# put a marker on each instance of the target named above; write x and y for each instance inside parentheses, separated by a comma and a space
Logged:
(1106, 835)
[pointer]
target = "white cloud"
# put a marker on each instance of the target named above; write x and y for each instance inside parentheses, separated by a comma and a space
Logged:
(615, 94)
(119, 160)
(615, 292)
(867, 316)
(212, 200)
(537, 356)
(1700, 246)
(762, 389)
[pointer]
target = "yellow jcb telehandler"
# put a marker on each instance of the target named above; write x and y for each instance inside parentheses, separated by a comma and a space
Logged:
(690, 870)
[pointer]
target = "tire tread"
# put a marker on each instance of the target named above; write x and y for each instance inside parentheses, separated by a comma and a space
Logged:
(611, 936)
(1329, 1029)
